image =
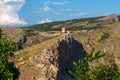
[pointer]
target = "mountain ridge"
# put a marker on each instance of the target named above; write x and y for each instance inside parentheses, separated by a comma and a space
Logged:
(77, 24)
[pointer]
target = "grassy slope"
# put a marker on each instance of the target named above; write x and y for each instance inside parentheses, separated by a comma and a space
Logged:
(58, 24)
(25, 54)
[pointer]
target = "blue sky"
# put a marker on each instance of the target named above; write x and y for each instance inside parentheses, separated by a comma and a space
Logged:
(30, 12)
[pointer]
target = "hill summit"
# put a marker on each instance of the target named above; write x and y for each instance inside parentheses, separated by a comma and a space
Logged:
(77, 24)
(112, 18)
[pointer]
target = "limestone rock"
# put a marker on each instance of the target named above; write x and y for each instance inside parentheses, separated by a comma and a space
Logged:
(54, 68)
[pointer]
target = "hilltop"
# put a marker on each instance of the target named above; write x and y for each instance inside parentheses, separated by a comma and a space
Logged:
(77, 24)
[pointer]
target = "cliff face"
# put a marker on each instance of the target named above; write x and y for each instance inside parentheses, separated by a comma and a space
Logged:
(24, 37)
(54, 62)
(66, 51)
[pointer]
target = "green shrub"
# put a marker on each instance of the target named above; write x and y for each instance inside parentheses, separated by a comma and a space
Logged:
(7, 68)
(83, 71)
(107, 72)
(104, 37)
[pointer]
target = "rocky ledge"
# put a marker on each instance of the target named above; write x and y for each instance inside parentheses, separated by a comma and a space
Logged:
(54, 62)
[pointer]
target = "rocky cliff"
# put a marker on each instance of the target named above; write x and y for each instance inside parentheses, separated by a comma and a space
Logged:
(24, 37)
(54, 61)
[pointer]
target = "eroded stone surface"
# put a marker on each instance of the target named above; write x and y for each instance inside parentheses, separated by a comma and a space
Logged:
(54, 65)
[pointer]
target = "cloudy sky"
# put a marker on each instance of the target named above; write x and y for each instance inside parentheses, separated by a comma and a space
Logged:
(30, 12)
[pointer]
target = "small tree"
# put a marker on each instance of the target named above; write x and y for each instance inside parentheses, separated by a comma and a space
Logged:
(7, 68)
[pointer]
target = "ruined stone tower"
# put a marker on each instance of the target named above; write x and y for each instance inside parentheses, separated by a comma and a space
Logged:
(63, 30)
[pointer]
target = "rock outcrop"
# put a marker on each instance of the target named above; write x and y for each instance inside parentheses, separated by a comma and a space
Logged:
(111, 18)
(24, 37)
(115, 18)
(54, 62)
(29, 38)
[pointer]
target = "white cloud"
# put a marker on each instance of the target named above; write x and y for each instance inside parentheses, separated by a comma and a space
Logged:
(79, 14)
(45, 8)
(44, 21)
(59, 3)
(9, 12)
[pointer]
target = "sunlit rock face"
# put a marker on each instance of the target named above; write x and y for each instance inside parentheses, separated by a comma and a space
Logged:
(54, 61)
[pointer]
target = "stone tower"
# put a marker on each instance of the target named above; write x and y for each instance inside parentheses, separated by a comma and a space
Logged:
(63, 30)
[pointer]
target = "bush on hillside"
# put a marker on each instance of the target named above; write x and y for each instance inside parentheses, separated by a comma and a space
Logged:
(7, 68)
(83, 71)
(104, 37)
